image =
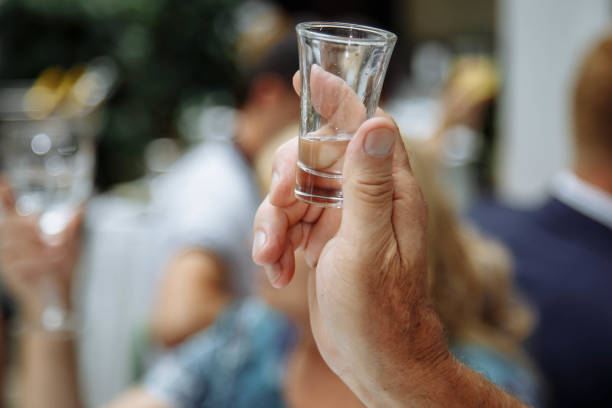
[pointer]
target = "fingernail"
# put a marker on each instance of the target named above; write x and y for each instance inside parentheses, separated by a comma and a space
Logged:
(273, 272)
(274, 181)
(378, 142)
(258, 241)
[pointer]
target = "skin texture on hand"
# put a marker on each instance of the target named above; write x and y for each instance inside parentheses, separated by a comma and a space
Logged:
(369, 304)
(367, 256)
(335, 100)
(363, 268)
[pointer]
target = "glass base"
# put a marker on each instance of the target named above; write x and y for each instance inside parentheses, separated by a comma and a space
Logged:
(318, 200)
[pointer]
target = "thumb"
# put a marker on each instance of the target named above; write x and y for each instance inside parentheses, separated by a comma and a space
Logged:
(368, 179)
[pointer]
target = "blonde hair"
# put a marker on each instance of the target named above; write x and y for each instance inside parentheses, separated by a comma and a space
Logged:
(470, 275)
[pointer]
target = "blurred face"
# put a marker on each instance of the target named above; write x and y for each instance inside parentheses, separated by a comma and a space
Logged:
(271, 106)
(291, 300)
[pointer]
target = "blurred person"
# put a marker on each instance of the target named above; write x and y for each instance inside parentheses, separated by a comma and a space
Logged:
(160, 267)
(470, 88)
(263, 353)
(453, 121)
(259, 353)
(202, 241)
(563, 249)
(209, 199)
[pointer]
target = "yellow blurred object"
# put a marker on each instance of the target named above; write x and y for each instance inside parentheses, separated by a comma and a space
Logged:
(67, 105)
(476, 77)
(51, 93)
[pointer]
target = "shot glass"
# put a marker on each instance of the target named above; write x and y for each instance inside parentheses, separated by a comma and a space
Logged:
(342, 69)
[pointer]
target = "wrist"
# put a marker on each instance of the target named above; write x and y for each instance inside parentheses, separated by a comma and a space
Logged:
(46, 303)
(410, 371)
(31, 312)
(50, 317)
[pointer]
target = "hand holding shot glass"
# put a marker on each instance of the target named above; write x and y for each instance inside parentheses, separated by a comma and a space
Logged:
(342, 68)
(48, 164)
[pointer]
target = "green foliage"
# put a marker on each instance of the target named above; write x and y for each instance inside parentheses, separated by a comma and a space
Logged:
(168, 52)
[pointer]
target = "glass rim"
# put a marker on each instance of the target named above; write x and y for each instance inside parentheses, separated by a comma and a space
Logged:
(306, 29)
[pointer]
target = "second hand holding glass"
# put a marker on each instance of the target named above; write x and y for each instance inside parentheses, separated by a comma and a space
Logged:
(49, 165)
(342, 68)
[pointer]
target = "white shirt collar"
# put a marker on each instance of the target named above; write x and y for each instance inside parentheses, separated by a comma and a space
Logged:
(583, 197)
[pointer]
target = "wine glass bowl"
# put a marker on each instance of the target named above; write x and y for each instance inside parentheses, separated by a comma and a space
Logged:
(48, 160)
(49, 165)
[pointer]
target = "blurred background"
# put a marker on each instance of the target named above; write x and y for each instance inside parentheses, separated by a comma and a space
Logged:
(162, 76)
(167, 58)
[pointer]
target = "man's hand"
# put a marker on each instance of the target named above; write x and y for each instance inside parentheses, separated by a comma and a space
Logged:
(26, 258)
(368, 295)
(368, 256)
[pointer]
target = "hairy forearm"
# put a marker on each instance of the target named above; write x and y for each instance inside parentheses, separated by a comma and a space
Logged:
(426, 374)
(469, 388)
(451, 384)
(49, 373)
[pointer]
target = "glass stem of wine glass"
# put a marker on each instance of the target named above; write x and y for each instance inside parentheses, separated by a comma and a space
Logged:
(54, 315)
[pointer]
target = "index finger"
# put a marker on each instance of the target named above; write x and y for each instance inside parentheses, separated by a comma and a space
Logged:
(335, 100)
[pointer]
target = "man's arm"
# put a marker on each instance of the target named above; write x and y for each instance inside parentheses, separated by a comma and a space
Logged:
(463, 387)
(441, 381)
(370, 309)
(450, 385)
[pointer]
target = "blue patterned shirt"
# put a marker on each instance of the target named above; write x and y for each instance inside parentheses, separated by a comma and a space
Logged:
(240, 362)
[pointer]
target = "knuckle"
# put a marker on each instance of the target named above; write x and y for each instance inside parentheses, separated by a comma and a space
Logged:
(373, 192)
(278, 153)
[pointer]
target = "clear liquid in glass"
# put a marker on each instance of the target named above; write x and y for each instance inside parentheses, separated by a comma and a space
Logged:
(319, 168)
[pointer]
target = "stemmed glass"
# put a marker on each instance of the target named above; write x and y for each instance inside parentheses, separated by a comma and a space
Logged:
(48, 162)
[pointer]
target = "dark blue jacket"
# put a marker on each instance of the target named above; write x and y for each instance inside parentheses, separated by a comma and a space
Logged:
(563, 263)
